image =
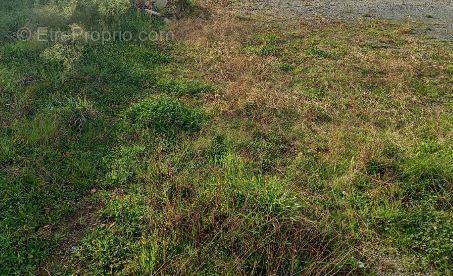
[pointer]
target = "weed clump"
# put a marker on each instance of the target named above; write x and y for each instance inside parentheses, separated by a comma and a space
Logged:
(316, 52)
(183, 87)
(427, 172)
(124, 164)
(167, 116)
(265, 45)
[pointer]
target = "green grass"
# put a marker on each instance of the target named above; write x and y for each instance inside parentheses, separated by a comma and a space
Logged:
(328, 151)
(62, 101)
(163, 116)
(183, 87)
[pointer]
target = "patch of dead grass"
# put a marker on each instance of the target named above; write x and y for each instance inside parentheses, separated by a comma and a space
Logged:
(360, 75)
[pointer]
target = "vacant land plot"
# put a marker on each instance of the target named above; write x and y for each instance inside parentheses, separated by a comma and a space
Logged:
(248, 144)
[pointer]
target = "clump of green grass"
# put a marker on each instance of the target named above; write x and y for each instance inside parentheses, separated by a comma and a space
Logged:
(316, 52)
(164, 115)
(183, 87)
(217, 149)
(287, 68)
(124, 163)
(427, 171)
(265, 45)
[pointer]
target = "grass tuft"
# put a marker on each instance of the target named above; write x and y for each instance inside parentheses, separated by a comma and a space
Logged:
(164, 116)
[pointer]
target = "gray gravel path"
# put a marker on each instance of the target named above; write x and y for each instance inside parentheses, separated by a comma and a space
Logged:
(435, 16)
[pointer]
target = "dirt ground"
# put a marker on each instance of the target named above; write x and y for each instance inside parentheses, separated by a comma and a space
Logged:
(434, 17)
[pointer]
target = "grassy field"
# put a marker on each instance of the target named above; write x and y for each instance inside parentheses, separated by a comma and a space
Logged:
(241, 146)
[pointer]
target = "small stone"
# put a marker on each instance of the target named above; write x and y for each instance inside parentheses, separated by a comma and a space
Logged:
(361, 264)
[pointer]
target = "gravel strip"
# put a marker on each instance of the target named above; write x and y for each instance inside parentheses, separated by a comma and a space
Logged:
(435, 16)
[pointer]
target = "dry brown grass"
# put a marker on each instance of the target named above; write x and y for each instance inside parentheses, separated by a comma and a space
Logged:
(216, 53)
(371, 93)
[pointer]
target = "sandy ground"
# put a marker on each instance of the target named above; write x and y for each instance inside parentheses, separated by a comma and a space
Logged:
(434, 17)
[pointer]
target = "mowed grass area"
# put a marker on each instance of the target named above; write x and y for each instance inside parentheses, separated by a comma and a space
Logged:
(245, 146)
